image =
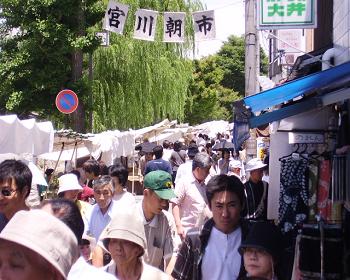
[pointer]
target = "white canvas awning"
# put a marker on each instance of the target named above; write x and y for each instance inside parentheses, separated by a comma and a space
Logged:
(66, 155)
(25, 136)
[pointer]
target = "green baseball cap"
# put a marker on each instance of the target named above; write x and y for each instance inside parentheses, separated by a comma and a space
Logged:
(160, 182)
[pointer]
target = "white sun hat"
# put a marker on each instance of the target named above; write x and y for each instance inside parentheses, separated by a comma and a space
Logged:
(254, 164)
(68, 182)
(235, 164)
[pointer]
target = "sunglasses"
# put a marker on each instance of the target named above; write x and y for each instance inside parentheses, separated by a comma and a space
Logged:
(7, 192)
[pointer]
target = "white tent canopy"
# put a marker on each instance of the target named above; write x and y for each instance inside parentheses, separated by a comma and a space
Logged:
(25, 136)
(66, 155)
(213, 128)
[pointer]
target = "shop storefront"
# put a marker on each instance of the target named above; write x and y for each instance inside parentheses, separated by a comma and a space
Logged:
(309, 168)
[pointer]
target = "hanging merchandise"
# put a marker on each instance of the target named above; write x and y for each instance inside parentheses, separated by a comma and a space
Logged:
(313, 182)
(323, 189)
(294, 193)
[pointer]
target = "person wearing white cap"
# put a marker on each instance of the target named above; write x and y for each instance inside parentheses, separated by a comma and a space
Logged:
(256, 191)
(36, 245)
(235, 167)
(125, 239)
(69, 188)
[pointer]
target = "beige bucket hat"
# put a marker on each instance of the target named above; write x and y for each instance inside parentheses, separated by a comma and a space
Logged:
(45, 235)
(127, 226)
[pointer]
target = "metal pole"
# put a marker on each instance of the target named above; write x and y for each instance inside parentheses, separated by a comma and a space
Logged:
(90, 93)
(251, 48)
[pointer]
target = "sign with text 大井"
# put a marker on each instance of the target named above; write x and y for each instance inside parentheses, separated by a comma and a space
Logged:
(287, 14)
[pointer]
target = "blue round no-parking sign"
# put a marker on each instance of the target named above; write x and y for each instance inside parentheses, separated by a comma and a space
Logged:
(67, 101)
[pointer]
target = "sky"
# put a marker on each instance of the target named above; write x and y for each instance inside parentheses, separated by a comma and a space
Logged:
(229, 19)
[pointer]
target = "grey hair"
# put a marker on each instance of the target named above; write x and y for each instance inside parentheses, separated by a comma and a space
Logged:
(102, 181)
(201, 160)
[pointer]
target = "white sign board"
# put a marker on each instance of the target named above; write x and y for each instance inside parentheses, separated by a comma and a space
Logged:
(204, 25)
(288, 14)
(115, 17)
(104, 37)
(305, 138)
(174, 27)
(145, 24)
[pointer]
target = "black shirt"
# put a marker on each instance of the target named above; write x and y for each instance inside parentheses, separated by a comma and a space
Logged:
(256, 200)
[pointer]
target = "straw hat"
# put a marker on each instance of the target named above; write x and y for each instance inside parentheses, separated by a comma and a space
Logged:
(45, 235)
(254, 164)
(68, 182)
(128, 226)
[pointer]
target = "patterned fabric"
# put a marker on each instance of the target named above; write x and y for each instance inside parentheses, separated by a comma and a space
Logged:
(294, 193)
(313, 181)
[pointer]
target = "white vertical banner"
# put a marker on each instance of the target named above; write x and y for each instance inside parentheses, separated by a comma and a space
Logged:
(204, 25)
(115, 17)
(174, 27)
(145, 24)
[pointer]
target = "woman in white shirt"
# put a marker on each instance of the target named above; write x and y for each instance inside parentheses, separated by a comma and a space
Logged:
(122, 197)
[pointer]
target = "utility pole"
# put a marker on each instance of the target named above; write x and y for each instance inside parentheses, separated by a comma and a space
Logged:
(252, 49)
(252, 65)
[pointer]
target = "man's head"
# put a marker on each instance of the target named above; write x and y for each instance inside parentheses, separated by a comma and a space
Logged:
(225, 196)
(157, 191)
(67, 212)
(235, 167)
(103, 191)
(158, 152)
(201, 165)
(15, 184)
(119, 175)
(255, 167)
(192, 150)
(166, 144)
(92, 169)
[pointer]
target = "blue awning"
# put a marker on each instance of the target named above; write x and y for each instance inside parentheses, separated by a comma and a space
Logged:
(293, 89)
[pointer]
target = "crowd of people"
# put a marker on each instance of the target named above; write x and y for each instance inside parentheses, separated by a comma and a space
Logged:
(199, 218)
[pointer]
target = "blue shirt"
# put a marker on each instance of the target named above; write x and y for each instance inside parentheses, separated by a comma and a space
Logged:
(158, 164)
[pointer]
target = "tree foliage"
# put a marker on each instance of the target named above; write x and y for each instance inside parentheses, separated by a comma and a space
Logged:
(217, 81)
(137, 83)
(37, 40)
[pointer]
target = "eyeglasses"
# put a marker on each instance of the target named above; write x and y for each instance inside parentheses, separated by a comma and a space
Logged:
(7, 192)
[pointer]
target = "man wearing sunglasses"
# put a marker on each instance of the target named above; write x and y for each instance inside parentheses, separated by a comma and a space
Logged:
(15, 183)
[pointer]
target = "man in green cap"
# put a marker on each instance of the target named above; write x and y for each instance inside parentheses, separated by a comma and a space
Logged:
(158, 223)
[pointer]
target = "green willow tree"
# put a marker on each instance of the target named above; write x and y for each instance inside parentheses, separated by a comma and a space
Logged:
(137, 83)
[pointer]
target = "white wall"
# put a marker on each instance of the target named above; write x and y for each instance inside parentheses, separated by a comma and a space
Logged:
(341, 30)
